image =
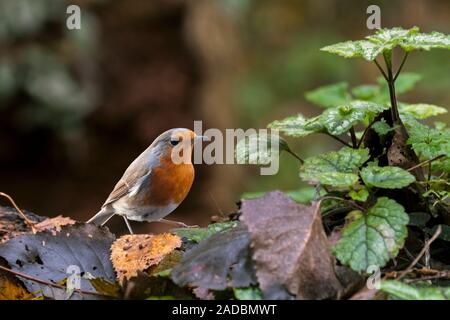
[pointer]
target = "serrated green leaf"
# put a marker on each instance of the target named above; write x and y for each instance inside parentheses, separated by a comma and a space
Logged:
(250, 293)
(355, 49)
(340, 119)
(259, 148)
(428, 142)
(369, 49)
(426, 41)
(375, 237)
(404, 291)
(387, 39)
(295, 126)
(336, 168)
(381, 127)
(421, 110)
(386, 177)
(198, 234)
(330, 96)
(360, 195)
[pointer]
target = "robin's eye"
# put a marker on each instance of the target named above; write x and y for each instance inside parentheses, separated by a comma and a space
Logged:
(174, 142)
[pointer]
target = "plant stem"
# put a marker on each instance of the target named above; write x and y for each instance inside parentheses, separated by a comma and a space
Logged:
(391, 83)
(422, 252)
(51, 284)
(364, 133)
(381, 69)
(401, 65)
(338, 139)
(353, 136)
(426, 162)
(295, 156)
(27, 220)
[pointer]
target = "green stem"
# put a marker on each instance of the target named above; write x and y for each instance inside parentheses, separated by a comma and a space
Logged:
(401, 65)
(381, 69)
(364, 133)
(295, 156)
(338, 139)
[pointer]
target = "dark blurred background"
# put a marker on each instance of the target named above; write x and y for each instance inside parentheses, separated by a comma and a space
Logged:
(76, 107)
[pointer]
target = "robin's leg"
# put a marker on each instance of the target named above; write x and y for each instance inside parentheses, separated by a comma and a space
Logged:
(128, 225)
(176, 223)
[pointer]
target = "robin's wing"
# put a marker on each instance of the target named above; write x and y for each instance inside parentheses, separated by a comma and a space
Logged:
(132, 179)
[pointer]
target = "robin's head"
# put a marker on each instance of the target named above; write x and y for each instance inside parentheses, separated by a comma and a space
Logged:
(177, 143)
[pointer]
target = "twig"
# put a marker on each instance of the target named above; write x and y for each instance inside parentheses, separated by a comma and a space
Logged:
(27, 220)
(422, 252)
(51, 284)
(401, 65)
(338, 139)
(381, 69)
(425, 162)
(364, 133)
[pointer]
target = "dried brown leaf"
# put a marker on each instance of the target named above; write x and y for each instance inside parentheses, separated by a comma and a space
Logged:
(133, 253)
(290, 248)
(53, 224)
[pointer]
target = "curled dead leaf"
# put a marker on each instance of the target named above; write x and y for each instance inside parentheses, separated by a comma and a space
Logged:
(133, 253)
(53, 224)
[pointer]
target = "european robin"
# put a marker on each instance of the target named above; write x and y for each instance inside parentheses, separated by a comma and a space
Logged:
(155, 183)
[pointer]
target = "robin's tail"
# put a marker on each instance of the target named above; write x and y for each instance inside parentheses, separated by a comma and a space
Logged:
(101, 217)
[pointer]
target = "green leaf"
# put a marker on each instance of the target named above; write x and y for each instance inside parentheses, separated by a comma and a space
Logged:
(387, 39)
(330, 96)
(336, 168)
(404, 291)
(418, 219)
(259, 148)
(360, 195)
(295, 126)
(303, 195)
(428, 142)
(250, 293)
(386, 177)
(198, 234)
(426, 41)
(381, 127)
(421, 110)
(382, 40)
(366, 91)
(340, 119)
(373, 238)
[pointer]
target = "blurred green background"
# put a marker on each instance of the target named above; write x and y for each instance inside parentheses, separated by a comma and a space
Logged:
(76, 107)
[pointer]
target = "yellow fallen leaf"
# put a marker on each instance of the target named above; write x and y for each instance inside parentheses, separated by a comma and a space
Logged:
(12, 290)
(133, 253)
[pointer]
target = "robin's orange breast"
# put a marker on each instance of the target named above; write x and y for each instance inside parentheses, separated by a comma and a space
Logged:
(170, 183)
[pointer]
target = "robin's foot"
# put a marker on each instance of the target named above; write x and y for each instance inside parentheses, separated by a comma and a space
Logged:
(128, 225)
(176, 223)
